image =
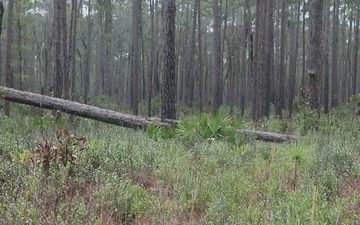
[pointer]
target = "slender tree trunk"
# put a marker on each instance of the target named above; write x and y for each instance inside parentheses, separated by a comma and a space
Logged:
(152, 55)
(100, 53)
(190, 60)
(200, 59)
(87, 47)
(1, 20)
(355, 78)
(181, 58)
(303, 77)
(72, 47)
(255, 42)
(294, 43)
(314, 67)
(65, 62)
(326, 51)
(19, 69)
(334, 57)
(107, 87)
(168, 95)
(268, 60)
(280, 101)
(248, 60)
(136, 62)
(216, 81)
(9, 73)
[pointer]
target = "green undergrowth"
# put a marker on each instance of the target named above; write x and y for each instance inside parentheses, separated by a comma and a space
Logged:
(201, 172)
(202, 127)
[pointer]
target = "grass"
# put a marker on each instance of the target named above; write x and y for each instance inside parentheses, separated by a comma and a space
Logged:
(134, 177)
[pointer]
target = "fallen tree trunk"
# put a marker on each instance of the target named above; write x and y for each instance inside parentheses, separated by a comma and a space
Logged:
(83, 110)
(267, 136)
(112, 117)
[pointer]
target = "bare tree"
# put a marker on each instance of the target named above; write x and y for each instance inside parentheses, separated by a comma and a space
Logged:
(168, 94)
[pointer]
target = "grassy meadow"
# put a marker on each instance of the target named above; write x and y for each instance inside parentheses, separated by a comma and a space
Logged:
(201, 172)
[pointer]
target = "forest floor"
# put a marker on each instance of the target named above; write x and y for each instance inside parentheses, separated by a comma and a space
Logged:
(202, 172)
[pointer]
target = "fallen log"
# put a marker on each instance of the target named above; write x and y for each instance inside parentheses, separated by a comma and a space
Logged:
(110, 116)
(83, 110)
(267, 136)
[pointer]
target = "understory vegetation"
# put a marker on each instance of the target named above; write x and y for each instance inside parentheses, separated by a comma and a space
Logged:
(201, 172)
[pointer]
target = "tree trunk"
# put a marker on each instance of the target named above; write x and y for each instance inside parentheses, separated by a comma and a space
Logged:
(65, 62)
(72, 48)
(268, 64)
(326, 51)
(1, 20)
(200, 76)
(334, 57)
(190, 59)
(83, 110)
(87, 48)
(152, 55)
(168, 95)
(356, 51)
(100, 53)
(279, 106)
(58, 71)
(314, 67)
(108, 49)
(9, 73)
(217, 55)
(136, 58)
(294, 45)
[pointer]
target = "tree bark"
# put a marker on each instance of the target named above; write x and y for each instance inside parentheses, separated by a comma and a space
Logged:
(314, 65)
(87, 48)
(326, 67)
(136, 58)
(1, 15)
(280, 97)
(334, 57)
(168, 94)
(113, 117)
(9, 73)
(1, 19)
(200, 75)
(216, 73)
(190, 59)
(83, 110)
(356, 52)
(294, 45)
(72, 47)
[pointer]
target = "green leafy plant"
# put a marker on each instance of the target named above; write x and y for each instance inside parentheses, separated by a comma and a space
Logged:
(307, 120)
(48, 152)
(156, 132)
(2, 92)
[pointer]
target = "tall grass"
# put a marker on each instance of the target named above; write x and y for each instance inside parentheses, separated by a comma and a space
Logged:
(134, 177)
